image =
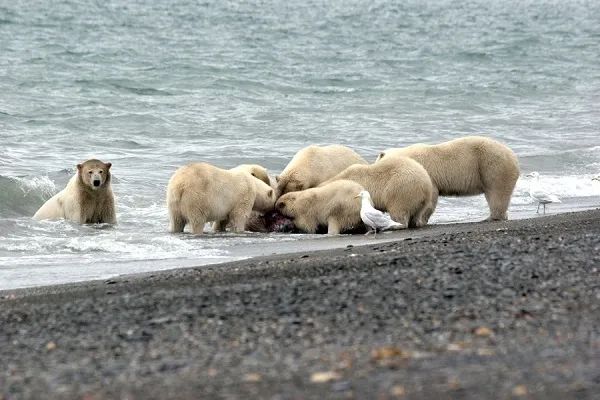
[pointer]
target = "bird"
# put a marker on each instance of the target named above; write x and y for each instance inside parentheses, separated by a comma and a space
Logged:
(538, 194)
(373, 218)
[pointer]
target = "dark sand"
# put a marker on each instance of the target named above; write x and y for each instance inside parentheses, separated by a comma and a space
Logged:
(476, 311)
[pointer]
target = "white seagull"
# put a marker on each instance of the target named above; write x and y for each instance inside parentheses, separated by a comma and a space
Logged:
(538, 194)
(373, 218)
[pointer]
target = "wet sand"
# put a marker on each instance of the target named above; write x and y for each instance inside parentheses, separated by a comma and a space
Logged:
(482, 310)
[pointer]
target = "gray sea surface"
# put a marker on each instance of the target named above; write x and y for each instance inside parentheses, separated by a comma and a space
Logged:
(150, 86)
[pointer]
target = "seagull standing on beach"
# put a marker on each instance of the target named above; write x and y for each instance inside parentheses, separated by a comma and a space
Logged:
(373, 218)
(540, 195)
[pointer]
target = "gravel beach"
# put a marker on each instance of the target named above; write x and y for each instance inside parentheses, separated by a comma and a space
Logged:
(474, 311)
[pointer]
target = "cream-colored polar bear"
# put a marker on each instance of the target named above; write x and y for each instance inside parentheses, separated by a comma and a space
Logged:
(315, 164)
(87, 198)
(468, 166)
(257, 171)
(400, 186)
(199, 193)
(334, 205)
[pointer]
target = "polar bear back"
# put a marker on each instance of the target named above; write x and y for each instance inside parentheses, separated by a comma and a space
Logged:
(464, 166)
(257, 171)
(214, 192)
(314, 165)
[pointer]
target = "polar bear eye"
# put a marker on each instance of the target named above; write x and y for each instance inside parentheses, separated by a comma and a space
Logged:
(90, 172)
(100, 172)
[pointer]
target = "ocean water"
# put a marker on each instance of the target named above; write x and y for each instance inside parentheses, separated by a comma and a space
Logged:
(150, 86)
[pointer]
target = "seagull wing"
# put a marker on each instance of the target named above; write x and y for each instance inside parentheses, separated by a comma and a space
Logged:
(366, 218)
(379, 219)
(543, 196)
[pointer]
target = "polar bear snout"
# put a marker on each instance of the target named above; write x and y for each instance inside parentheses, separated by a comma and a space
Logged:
(96, 178)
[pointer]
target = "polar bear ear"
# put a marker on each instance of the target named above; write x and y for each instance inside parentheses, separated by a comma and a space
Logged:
(381, 155)
(277, 178)
(108, 165)
(270, 193)
(79, 166)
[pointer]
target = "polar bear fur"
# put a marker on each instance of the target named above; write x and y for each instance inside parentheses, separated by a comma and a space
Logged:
(334, 205)
(257, 171)
(400, 186)
(467, 166)
(87, 198)
(314, 165)
(199, 193)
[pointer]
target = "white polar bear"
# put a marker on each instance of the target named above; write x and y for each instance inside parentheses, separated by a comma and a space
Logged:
(398, 185)
(334, 205)
(87, 198)
(315, 164)
(199, 193)
(467, 166)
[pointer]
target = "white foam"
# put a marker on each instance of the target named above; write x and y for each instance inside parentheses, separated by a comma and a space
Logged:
(41, 184)
(563, 186)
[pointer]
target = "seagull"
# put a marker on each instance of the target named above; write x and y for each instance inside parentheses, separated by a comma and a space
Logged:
(540, 195)
(373, 218)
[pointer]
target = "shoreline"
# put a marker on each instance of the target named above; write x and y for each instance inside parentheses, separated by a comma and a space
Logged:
(262, 245)
(473, 310)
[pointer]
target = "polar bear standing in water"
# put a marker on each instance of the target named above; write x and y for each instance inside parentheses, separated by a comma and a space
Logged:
(87, 198)
(199, 193)
(467, 166)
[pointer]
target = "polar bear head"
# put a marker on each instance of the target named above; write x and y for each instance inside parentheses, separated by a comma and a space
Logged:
(257, 171)
(288, 184)
(265, 196)
(94, 174)
(286, 204)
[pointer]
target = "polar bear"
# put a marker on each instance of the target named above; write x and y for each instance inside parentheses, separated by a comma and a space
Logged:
(468, 166)
(315, 164)
(400, 186)
(199, 193)
(87, 198)
(257, 171)
(334, 205)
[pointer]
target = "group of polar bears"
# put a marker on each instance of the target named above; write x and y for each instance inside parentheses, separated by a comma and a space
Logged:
(318, 188)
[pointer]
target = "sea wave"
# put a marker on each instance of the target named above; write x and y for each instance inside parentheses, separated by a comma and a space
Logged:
(570, 186)
(21, 196)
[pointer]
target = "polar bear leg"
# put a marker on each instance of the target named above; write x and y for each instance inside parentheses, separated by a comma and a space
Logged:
(177, 222)
(197, 224)
(239, 216)
(422, 216)
(333, 226)
(498, 202)
(400, 215)
(220, 226)
(425, 213)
